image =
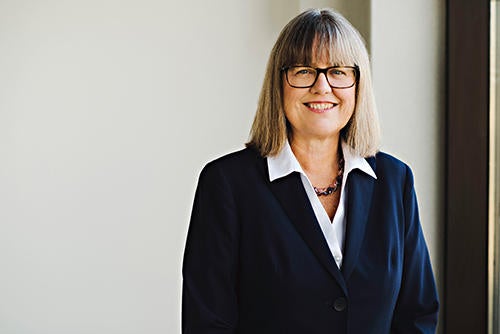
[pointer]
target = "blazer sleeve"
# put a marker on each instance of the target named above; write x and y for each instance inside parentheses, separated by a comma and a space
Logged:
(417, 306)
(209, 300)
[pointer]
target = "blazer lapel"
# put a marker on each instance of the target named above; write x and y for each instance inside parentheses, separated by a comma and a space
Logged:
(291, 194)
(360, 191)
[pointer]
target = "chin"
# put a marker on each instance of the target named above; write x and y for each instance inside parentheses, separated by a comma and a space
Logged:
(327, 134)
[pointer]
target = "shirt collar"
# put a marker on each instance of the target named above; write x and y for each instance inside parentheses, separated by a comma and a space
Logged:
(285, 163)
(354, 161)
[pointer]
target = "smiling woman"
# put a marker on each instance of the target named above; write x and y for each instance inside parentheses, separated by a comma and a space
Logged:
(310, 228)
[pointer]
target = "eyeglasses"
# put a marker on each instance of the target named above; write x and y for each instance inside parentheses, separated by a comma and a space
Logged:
(306, 76)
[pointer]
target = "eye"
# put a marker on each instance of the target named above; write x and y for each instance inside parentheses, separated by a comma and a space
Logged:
(302, 71)
(338, 72)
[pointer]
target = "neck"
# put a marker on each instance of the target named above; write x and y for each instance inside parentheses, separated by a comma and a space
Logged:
(317, 156)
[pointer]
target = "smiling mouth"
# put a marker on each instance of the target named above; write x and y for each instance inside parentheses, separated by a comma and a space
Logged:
(320, 106)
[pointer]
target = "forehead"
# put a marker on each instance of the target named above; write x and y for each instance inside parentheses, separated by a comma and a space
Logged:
(324, 57)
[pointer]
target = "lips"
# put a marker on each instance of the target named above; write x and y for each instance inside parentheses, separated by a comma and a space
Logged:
(320, 106)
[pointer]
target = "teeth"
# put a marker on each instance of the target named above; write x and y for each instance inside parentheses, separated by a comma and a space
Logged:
(320, 105)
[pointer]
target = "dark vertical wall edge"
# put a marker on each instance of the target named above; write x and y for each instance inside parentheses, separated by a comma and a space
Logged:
(467, 107)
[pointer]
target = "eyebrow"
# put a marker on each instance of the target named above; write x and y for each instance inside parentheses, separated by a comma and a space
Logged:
(316, 65)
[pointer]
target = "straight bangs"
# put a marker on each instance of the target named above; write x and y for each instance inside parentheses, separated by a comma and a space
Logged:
(320, 38)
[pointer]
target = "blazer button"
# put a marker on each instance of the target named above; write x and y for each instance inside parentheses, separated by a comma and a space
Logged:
(340, 304)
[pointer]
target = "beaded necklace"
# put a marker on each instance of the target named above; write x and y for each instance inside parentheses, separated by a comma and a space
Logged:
(336, 183)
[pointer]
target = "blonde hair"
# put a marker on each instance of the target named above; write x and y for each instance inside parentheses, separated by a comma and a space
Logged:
(327, 31)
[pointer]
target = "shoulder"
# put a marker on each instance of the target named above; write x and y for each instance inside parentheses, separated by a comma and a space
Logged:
(395, 183)
(383, 162)
(237, 159)
(390, 169)
(235, 164)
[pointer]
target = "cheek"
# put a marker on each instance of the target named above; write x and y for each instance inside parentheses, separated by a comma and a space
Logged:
(290, 99)
(349, 98)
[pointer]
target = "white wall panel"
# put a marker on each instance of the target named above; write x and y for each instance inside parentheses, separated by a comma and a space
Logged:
(108, 111)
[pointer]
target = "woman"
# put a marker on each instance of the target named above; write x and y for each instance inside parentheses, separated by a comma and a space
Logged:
(309, 229)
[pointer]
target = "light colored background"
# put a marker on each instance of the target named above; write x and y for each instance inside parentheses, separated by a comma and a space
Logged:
(108, 111)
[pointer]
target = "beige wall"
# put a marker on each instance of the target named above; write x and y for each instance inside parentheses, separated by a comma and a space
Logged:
(108, 111)
(408, 52)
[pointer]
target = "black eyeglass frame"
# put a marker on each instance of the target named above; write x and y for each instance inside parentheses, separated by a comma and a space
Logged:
(324, 71)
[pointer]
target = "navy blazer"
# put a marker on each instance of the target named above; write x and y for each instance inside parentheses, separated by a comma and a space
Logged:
(256, 260)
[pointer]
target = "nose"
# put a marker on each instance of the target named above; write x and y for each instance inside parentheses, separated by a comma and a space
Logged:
(321, 86)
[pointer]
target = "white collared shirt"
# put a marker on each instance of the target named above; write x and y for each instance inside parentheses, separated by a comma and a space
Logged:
(285, 163)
